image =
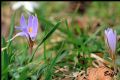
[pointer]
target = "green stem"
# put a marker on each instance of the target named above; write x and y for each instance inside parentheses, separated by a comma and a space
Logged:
(45, 49)
(31, 49)
(114, 66)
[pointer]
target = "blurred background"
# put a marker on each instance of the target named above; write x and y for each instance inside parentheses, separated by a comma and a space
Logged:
(80, 16)
(86, 14)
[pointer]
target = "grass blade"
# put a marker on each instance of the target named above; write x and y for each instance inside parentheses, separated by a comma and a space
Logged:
(47, 36)
(5, 61)
(11, 29)
(49, 72)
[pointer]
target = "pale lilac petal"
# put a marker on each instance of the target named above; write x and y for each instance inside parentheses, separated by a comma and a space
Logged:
(33, 36)
(21, 28)
(35, 24)
(18, 28)
(112, 40)
(30, 21)
(34, 28)
(111, 37)
(20, 34)
(23, 22)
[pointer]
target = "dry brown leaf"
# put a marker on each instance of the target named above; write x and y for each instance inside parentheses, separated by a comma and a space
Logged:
(61, 70)
(82, 76)
(100, 73)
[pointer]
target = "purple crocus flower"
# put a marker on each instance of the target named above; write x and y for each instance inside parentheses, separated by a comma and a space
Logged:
(28, 30)
(111, 38)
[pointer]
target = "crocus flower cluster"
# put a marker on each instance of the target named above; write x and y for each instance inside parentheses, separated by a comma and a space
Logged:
(111, 39)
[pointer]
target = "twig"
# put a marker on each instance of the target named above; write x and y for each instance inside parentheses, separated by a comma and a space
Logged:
(100, 59)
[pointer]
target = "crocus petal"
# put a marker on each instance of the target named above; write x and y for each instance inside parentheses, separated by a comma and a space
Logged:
(111, 37)
(21, 28)
(112, 41)
(22, 21)
(35, 25)
(33, 36)
(30, 21)
(18, 28)
(20, 34)
(32, 30)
